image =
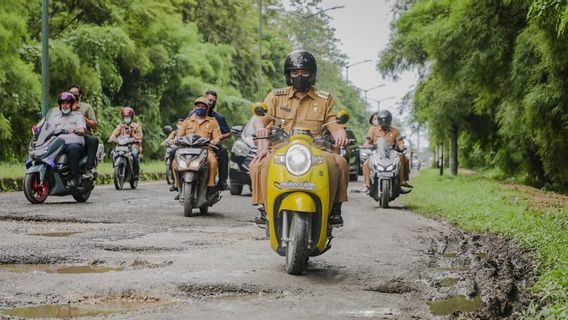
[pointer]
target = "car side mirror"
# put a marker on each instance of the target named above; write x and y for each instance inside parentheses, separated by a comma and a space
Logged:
(237, 130)
(167, 129)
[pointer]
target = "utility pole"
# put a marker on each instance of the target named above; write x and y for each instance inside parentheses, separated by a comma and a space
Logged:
(44, 57)
(259, 93)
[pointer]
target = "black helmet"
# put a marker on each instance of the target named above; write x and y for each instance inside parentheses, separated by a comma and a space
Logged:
(300, 59)
(385, 118)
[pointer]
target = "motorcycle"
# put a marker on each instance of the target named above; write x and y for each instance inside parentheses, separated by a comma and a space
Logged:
(123, 168)
(193, 173)
(297, 196)
(384, 164)
(47, 168)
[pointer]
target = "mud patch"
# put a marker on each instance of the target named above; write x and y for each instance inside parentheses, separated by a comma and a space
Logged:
(53, 234)
(50, 219)
(204, 291)
(46, 268)
(485, 276)
(87, 308)
(391, 286)
(122, 248)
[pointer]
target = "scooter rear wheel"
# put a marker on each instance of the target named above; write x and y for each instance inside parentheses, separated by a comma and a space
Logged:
(34, 191)
(297, 248)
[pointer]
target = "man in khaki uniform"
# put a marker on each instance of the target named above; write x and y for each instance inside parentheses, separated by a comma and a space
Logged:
(207, 127)
(383, 128)
(300, 105)
(91, 141)
(132, 129)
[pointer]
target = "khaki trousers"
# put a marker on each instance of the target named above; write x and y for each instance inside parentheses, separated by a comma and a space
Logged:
(338, 178)
(211, 158)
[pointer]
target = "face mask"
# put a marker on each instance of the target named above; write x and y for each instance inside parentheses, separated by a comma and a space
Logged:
(375, 122)
(212, 105)
(301, 83)
(127, 120)
(201, 112)
(66, 111)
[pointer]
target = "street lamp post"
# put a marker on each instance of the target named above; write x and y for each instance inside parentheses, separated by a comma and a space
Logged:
(259, 94)
(379, 102)
(353, 64)
(44, 58)
(373, 88)
(323, 10)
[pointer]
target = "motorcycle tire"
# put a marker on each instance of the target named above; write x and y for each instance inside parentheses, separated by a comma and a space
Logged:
(187, 205)
(204, 209)
(297, 249)
(236, 189)
(82, 196)
(353, 176)
(133, 183)
(34, 192)
(119, 175)
(385, 194)
(169, 176)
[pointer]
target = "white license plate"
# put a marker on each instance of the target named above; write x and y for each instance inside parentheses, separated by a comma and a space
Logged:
(385, 174)
(190, 151)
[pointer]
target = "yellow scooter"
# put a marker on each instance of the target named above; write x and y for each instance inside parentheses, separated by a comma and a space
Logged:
(298, 196)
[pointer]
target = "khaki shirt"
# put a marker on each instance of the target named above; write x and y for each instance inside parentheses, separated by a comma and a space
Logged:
(133, 130)
(209, 128)
(392, 135)
(311, 112)
(88, 112)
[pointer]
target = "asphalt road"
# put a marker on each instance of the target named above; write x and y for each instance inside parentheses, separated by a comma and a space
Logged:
(384, 263)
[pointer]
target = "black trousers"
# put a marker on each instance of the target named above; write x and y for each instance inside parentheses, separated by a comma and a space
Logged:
(73, 151)
(91, 146)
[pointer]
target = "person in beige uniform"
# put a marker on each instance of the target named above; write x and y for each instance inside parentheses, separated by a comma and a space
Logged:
(132, 129)
(207, 127)
(300, 105)
(382, 128)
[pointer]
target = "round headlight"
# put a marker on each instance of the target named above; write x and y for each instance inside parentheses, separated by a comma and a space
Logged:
(298, 160)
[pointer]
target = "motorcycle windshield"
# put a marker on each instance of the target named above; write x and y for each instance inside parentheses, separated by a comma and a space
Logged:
(44, 128)
(124, 140)
(192, 140)
(384, 149)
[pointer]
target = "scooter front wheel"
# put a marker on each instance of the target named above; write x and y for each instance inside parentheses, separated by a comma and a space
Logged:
(119, 175)
(35, 191)
(385, 193)
(187, 206)
(297, 248)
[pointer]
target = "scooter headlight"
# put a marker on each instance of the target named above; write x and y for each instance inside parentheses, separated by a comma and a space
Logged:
(298, 160)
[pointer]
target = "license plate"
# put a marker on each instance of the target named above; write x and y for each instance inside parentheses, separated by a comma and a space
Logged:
(385, 174)
(190, 151)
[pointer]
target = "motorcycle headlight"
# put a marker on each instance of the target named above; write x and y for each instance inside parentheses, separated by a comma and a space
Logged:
(182, 163)
(298, 160)
(194, 165)
(389, 167)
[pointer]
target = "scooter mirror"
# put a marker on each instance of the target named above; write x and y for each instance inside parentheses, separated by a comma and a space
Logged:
(237, 130)
(342, 116)
(167, 129)
(259, 109)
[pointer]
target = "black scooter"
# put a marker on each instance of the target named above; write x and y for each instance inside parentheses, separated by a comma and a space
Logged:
(48, 170)
(193, 173)
(123, 162)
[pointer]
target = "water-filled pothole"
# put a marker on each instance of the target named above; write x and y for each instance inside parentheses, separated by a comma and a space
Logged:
(451, 255)
(46, 268)
(455, 303)
(448, 282)
(83, 309)
(53, 234)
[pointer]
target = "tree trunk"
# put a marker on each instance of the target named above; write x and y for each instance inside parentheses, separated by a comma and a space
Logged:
(441, 158)
(454, 150)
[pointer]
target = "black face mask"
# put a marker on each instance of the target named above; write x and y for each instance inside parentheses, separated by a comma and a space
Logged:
(301, 83)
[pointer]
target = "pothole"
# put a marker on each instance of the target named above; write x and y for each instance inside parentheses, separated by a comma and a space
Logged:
(53, 234)
(454, 304)
(61, 269)
(89, 308)
(224, 290)
(391, 286)
(124, 248)
(448, 282)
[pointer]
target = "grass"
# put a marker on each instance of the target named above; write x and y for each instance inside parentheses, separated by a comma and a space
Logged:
(18, 170)
(479, 204)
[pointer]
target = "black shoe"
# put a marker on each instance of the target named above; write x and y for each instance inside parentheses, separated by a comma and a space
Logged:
(223, 186)
(176, 197)
(404, 191)
(335, 220)
(173, 188)
(406, 184)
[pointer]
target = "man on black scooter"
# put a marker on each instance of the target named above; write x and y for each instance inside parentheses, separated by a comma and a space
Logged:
(382, 128)
(74, 124)
(301, 105)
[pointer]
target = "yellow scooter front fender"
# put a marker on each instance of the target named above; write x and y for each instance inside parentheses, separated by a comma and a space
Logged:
(298, 202)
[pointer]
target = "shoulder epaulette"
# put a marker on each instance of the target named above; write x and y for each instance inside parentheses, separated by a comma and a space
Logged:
(280, 92)
(322, 94)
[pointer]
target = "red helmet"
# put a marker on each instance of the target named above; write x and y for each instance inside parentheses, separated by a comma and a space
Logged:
(127, 112)
(65, 97)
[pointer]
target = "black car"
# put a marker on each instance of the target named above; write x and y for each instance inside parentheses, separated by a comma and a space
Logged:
(351, 154)
(242, 153)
